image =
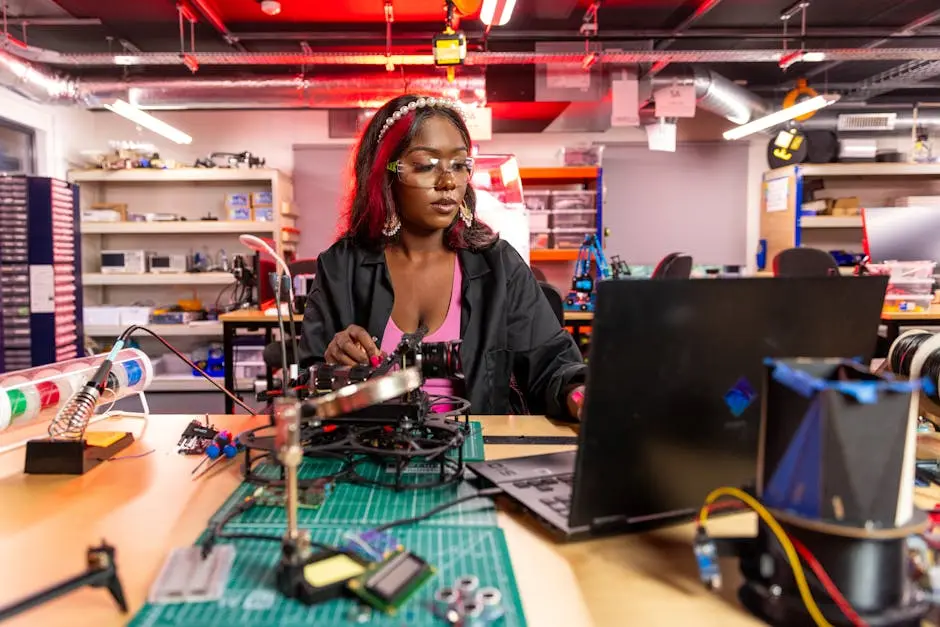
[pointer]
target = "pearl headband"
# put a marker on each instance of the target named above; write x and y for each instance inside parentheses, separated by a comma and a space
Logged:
(420, 103)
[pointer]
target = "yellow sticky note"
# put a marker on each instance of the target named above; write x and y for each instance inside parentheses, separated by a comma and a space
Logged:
(102, 438)
(332, 570)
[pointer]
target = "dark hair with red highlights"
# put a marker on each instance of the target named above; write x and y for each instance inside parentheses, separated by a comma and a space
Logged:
(372, 198)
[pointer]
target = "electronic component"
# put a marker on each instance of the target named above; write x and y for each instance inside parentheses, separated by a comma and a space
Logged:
(706, 554)
(188, 578)
(169, 264)
(373, 546)
(583, 294)
(123, 261)
(312, 497)
(195, 438)
(386, 586)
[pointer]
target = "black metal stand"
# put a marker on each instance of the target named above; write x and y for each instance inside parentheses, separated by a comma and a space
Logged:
(101, 573)
(870, 573)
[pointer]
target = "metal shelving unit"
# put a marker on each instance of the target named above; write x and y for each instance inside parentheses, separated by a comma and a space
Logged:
(783, 226)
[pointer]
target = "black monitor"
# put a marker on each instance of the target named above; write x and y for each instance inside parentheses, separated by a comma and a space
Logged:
(902, 233)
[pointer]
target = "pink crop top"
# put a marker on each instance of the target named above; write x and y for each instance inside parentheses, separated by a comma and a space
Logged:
(449, 330)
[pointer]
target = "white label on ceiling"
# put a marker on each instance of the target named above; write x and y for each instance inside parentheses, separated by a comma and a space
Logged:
(677, 101)
(626, 103)
(480, 123)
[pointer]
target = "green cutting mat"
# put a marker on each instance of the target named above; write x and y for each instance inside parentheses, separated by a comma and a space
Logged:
(357, 504)
(251, 599)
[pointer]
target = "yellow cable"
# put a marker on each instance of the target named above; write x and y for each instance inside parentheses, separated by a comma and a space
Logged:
(782, 537)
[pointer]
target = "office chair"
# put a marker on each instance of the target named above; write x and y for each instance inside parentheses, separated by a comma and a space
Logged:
(555, 300)
(673, 266)
(804, 262)
(539, 274)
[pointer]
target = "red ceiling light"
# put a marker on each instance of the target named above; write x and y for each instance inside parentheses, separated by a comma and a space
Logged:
(497, 12)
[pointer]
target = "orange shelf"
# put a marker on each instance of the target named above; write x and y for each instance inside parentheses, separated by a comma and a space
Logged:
(553, 255)
(586, 173)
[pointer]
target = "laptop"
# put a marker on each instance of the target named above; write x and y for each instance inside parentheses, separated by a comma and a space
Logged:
(673, 400)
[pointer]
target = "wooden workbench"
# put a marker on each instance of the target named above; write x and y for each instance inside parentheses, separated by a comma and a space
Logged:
(146, 506)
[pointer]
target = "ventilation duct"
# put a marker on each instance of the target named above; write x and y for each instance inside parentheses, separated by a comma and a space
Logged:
(359, 92)
(715, 93)
(848, 122)
(38, 84)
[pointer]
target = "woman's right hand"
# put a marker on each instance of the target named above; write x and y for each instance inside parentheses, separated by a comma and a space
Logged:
(352, 346)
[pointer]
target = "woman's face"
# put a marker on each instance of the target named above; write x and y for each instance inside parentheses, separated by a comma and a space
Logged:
(434, 171)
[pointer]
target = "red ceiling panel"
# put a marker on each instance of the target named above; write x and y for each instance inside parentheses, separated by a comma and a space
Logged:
(336, 11)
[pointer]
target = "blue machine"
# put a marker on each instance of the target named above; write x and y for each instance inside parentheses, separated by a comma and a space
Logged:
(582, 295)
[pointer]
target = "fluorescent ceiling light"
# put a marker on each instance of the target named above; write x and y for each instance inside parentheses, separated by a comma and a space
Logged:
(497, 12)
(779, 117)
(142, 118)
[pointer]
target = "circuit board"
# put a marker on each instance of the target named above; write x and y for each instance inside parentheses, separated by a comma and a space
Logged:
(251, 599)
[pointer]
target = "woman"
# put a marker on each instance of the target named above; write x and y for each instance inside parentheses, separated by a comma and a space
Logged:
(413, 252)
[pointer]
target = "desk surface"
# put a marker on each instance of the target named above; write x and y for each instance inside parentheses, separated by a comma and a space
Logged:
(252, 315)
(148, 505)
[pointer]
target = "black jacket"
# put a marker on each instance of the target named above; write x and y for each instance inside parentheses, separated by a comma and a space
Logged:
(507, 325)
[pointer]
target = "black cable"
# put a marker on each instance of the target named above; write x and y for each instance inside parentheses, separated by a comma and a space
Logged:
(134, 328)
(438, 509)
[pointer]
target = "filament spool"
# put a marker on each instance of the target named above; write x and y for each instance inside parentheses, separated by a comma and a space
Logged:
(916, 354)
(37, 394)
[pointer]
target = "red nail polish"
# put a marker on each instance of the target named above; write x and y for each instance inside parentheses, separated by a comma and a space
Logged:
(375, 360)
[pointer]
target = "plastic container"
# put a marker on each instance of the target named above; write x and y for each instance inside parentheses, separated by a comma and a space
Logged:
(575, 199)
(910, 287)
(249, 355)
(537, 200)
(540, 240)
(569, 238)
(574, 219)
(538, 221)
(907, 303)
(904, 269)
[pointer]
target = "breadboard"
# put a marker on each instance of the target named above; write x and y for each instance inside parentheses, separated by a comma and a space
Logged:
(251, 599)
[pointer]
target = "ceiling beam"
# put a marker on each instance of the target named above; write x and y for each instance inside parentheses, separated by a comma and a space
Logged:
(53, 21)
(908, 29)
(503, 34)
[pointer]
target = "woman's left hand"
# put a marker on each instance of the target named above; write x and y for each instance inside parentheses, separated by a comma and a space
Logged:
(576, 402)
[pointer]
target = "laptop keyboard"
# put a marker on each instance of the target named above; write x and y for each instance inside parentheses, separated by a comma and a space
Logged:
(558, 484)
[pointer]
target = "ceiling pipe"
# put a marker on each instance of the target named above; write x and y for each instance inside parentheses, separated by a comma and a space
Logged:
(282, 92)
(715, 93)
(36, 82)
(504, 34)
(210, 15)
(618, 57)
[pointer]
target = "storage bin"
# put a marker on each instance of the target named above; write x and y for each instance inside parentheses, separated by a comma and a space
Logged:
(576, 199)
(567, 239)
(538, 221)
(907, 303)
(583, 219)
(251, 354)
(904, 269)
(537, 199)
(540, 240)
(910, 287)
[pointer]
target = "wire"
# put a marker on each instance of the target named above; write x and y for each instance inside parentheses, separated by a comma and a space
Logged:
(134, 328)
(831, 589)
(437, 510)
(782, 537)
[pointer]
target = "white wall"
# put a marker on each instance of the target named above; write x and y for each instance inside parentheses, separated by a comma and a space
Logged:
(272, 135)
(61, 132)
